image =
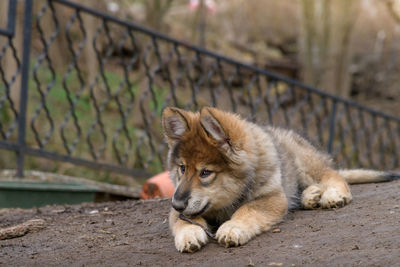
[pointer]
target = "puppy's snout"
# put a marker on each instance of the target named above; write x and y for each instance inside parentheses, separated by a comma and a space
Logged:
(180, 200)
(179, 205)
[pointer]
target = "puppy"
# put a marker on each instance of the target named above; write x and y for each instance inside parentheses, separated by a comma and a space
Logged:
(239, 179)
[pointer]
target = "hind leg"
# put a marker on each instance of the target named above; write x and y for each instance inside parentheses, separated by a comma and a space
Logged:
(331, 191)
(337, 192)
(311, 197)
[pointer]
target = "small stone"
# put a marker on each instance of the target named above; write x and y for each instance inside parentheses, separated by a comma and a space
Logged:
(251, 263)
(275, 264)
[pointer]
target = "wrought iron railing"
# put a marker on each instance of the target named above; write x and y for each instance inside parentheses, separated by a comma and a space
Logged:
(110, 118)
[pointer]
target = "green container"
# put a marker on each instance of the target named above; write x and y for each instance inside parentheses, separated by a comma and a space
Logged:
(36, 194)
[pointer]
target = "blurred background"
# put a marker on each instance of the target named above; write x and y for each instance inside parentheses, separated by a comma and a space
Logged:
(348, 48)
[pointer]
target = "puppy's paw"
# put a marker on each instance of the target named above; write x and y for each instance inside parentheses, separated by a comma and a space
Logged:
(335, 198)
(233, 234)
(190, 238)
(311, 197)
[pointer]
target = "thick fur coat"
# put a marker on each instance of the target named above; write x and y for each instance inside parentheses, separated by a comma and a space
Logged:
(239, 179)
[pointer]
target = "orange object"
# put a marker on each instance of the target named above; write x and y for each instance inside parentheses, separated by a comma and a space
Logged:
(158, 186)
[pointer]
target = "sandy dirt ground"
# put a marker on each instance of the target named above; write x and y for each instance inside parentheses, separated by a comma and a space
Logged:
(135, 233)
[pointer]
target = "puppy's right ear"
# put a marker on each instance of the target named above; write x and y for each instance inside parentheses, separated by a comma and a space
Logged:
(174, 124)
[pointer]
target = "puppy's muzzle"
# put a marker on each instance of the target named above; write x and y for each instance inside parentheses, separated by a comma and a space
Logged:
(180, 200)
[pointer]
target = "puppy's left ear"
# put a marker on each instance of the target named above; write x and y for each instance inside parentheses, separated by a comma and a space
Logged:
(211, 120)
(211, 125)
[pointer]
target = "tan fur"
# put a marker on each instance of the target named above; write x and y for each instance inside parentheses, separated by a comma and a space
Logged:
(188, 237)
(359, 176)
(239, 179)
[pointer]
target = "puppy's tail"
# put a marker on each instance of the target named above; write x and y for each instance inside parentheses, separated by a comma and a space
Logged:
(361, 176)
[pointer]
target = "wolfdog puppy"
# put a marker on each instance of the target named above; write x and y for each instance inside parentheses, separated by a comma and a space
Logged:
(239, 179)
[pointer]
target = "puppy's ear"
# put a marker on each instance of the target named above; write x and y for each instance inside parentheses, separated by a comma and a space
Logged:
(226, 130)
(211, 124)
(174, 124)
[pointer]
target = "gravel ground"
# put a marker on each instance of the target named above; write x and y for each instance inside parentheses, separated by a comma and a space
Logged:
(134, 233)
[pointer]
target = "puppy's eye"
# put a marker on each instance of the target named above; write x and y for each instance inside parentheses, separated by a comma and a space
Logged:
(182, 168)
(205, 173)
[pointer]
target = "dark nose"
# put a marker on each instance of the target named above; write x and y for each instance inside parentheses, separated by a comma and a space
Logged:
(179, 206)
(180, 200)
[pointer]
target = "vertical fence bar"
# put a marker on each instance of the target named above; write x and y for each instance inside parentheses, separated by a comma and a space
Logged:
(24, 87)
(332, 126)
(12, 13)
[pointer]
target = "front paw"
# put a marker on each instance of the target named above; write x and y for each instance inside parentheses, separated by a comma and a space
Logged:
(190, 238)
(233, 234)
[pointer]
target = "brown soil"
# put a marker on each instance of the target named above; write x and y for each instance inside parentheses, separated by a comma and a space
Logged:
(364, 233)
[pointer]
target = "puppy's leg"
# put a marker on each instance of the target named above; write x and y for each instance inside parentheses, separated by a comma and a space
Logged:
(330, 191)
(336, 190)
(311, 197)
(252, 218)
(188, 237)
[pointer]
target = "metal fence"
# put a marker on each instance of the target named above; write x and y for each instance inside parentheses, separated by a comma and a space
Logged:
(109, 118)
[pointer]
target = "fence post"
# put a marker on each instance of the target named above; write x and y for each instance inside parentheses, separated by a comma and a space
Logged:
(332, 126)
(12, 11)
(24, 87)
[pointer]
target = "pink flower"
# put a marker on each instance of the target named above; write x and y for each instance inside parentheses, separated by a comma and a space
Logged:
(210, 4)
